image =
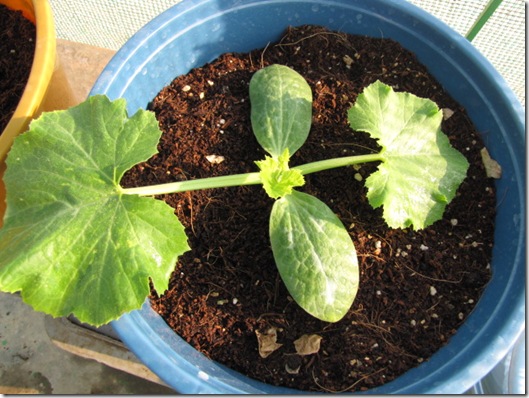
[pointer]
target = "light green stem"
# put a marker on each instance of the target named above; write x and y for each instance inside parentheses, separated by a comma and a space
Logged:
(193, 185)
(244, 179)
(327, 164)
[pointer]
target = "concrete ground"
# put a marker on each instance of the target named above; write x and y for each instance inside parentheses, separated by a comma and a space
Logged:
(30, 363)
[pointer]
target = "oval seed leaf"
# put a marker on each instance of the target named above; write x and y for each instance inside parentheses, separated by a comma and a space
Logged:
(421, 171)
(281, 111)
(71, 242)
(315, 255)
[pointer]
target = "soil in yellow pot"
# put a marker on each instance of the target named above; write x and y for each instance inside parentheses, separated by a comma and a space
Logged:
(38, 12)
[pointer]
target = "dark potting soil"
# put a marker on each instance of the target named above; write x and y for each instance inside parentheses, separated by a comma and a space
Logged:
(416, 287)
(17, 48)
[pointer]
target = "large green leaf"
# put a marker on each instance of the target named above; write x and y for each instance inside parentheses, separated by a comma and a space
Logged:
(71, 241)
(421, 171)
(281, 111)
(315, 255)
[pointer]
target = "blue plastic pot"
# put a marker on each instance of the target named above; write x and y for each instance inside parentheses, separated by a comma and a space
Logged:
(508, 377)
(197, 31)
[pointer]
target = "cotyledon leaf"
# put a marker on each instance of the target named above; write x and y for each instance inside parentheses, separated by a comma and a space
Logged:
(72, 242)
(421, 171)
(315, 255)
(281, 112)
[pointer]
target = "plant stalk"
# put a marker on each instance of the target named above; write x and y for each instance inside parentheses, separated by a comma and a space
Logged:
(245, 179)
(327, 164)
(483, 18)
(193, 185)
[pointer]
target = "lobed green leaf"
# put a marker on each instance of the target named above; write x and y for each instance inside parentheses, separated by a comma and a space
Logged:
(71, 241)
(421, 171)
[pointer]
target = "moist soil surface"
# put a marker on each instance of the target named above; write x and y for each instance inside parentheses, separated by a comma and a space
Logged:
(17, 48)
(416, 287)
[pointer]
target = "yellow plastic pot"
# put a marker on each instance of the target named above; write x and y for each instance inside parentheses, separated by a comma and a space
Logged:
(38, 12)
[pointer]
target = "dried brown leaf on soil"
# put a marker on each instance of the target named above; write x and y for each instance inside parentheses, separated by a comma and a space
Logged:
(492, 168)
(267, 342)
(308, 344)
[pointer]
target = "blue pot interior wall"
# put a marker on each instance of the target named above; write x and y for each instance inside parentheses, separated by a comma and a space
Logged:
(193, 33)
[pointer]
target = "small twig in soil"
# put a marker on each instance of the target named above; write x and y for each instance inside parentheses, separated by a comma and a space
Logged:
(220, 288)
(371, 326)
(339, 35)
(191, 217)
(380, 259)
(347, 388)
(430, 278)
(262, 55)
(270, 314)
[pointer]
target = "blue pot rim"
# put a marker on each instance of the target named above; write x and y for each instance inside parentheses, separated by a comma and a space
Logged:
(147, 335)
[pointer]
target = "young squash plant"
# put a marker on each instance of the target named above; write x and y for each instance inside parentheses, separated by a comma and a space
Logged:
(75, 241)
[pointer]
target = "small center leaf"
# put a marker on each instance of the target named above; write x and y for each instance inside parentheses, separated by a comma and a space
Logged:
(277, 178)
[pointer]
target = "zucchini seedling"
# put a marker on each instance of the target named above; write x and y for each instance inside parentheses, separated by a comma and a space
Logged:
(75, 241)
